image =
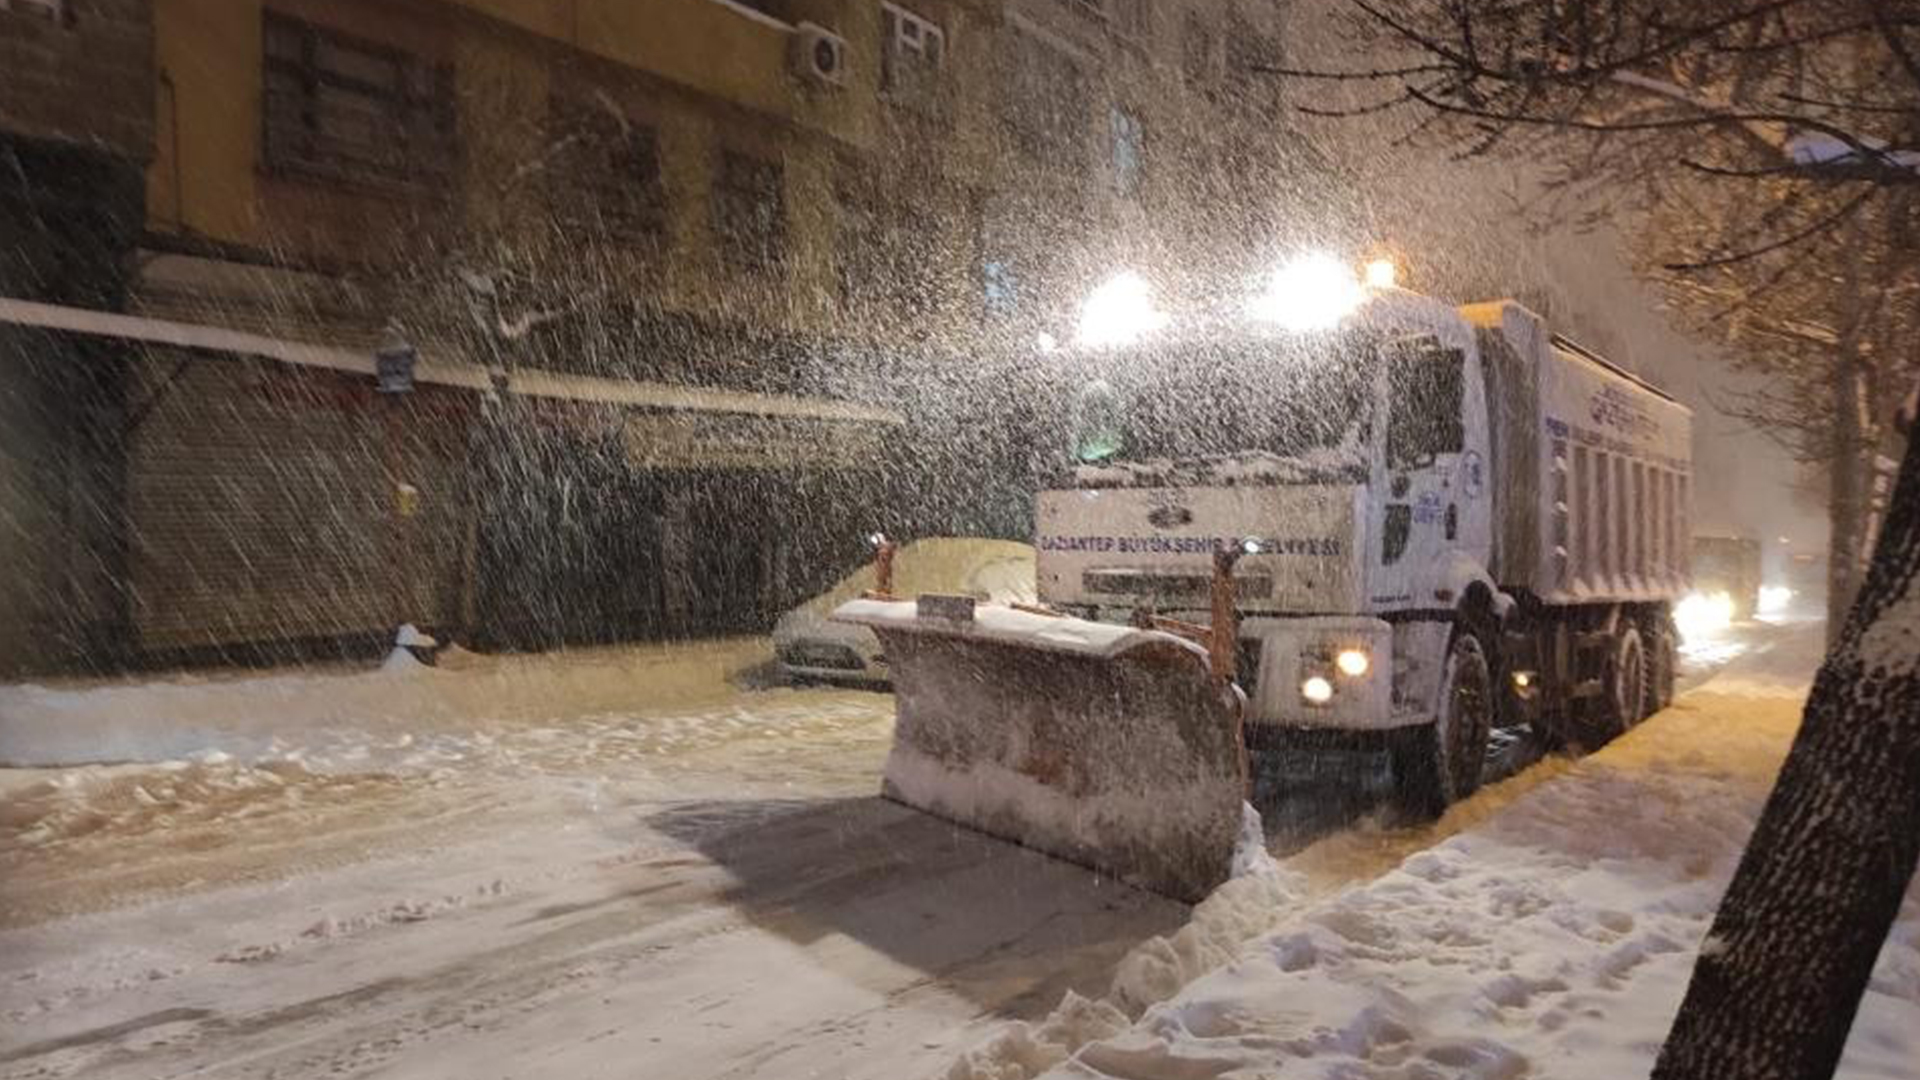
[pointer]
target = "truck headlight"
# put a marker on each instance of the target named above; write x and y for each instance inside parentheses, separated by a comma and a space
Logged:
(1353, 662)
(1316, 690)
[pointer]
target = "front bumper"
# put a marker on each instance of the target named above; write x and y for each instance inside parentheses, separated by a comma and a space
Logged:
(1290, 652)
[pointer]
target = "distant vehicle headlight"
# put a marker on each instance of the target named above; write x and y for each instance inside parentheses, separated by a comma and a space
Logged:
(1316, 690)
(1774, 599)
(1353, 662)
(1699, 616)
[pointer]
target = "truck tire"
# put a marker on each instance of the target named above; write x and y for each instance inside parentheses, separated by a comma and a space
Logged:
(1663, 663)
(1623, 700)
(1438, 764)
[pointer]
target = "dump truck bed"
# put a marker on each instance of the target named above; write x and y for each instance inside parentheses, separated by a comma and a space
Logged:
(1593, 466)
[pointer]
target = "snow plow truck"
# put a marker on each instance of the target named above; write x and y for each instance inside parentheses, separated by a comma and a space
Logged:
(1350, 514)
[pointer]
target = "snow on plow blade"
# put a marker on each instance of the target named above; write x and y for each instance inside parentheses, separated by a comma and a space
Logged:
(1106, 746)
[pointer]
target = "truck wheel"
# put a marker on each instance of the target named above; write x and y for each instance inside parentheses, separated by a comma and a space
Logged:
(1623, 700)
(1438, 764)
(1663, 664)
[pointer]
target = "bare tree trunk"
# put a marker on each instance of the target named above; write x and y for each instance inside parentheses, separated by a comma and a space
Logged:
(1846, 512)
(1781, 974)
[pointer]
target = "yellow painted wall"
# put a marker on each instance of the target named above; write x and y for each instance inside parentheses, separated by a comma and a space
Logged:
(707, 47)
(208, 106)
(706, 76)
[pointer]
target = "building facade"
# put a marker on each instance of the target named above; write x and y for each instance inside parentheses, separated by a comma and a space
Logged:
(700, 291)
(76, 133)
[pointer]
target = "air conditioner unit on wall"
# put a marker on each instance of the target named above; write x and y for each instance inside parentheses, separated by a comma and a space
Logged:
(819, 55)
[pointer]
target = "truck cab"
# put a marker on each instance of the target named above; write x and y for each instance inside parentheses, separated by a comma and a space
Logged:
(1354, 461)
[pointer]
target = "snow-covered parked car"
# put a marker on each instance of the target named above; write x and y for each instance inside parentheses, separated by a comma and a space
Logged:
(812, 646)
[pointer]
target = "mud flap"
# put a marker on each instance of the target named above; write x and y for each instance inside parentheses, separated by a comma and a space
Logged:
(1106, 746)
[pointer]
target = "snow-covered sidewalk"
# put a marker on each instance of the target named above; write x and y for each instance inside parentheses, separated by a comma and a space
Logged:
(1552, 935)
(390, 716)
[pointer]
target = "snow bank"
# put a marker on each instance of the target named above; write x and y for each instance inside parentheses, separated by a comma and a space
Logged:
(1154, 970)
(1533, 943)
(1552, 939)
(403, 713)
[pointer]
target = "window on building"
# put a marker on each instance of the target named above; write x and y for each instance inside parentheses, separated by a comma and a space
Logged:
(912, 52)
(886, 255)
(1129, 150)
(348, 109)
(749, 211)
(1048, 106)
(605, 173)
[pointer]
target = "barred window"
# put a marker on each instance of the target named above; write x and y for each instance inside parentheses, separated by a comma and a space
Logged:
(749, 211)
(343, 108)
(606, 175)
(886, 254)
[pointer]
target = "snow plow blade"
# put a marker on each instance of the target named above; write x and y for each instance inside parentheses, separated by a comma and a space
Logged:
(1107, 746)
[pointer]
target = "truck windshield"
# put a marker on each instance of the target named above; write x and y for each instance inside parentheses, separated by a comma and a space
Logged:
(1209, 402)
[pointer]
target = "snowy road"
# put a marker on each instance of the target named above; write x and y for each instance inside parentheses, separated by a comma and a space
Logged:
(514, 868)
(527, 882)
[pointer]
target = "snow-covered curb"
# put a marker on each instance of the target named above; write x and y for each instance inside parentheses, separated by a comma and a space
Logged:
(1553, 938)
(347, 717)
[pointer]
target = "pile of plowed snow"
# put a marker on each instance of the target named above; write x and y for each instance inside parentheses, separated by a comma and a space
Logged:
(1554, 938)
(403, 714)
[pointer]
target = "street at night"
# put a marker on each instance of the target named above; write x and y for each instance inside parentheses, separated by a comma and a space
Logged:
(959, 539)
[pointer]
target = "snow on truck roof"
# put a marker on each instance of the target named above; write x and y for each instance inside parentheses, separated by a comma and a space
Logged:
(1491, 313)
